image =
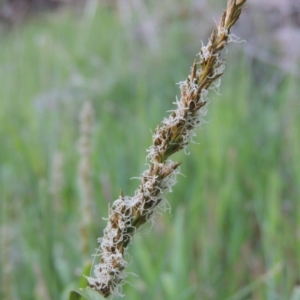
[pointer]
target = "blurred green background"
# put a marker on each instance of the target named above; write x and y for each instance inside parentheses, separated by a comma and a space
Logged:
(234, 229)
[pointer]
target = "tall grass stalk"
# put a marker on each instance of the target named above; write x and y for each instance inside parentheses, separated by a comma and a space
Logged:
(128, 213)
(57, 180)
(84, 172)
(6, 282)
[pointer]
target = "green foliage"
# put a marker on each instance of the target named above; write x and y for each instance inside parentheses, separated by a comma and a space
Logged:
(234, 230)
(87, 293)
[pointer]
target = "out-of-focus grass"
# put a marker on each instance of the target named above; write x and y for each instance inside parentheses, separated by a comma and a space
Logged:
(234, 228)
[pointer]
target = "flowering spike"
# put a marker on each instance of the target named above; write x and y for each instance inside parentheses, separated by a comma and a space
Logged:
(127, 214)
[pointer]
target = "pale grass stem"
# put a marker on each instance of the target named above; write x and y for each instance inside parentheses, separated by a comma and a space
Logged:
(41, 290)
(128, 213)
(6, 282)
(84, 146)
(57, 179)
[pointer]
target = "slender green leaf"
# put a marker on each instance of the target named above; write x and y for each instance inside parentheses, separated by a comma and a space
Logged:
(87, 294)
